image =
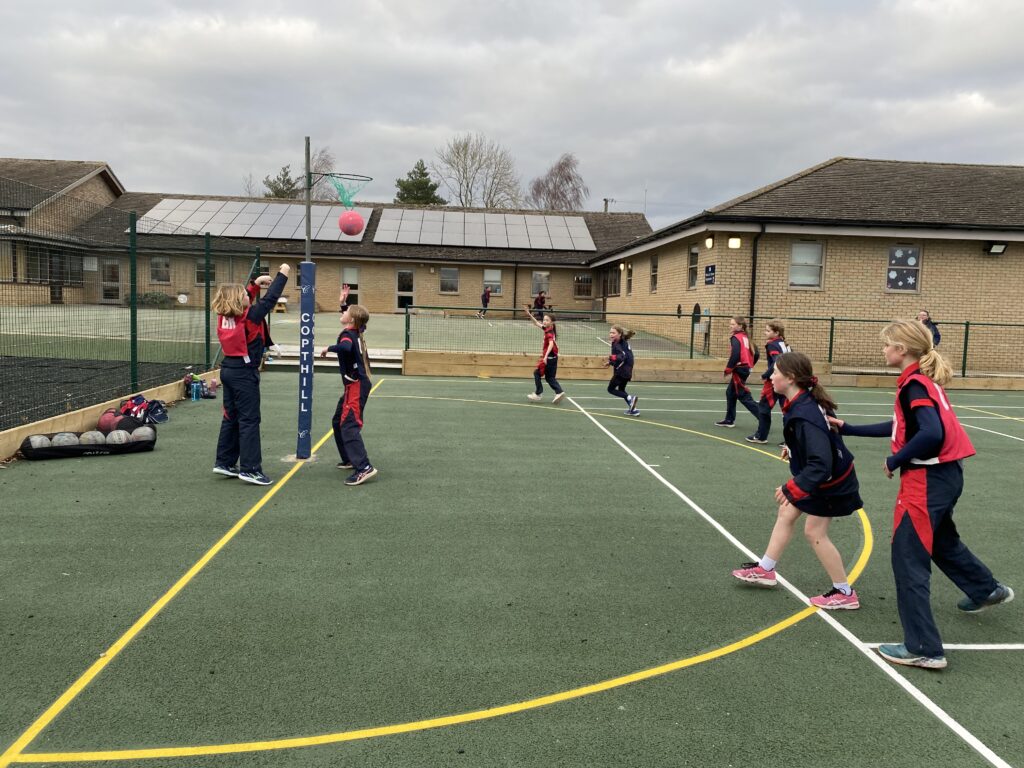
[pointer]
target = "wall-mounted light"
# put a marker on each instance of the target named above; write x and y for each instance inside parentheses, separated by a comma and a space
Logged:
(995, 249)
(735, 242)
(622, 266)
(709, 242)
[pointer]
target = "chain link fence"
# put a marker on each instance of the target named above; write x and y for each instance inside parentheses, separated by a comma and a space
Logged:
(95, 305)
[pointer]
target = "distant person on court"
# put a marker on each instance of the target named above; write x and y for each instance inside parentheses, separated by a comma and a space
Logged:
(929, 446)
(621, 362)
(347, 422)
(240, 330)
(547, 366)
(775, 345)
(742, 357)
(933, 329)
(540, 305)
(824, 484)
(485, 300)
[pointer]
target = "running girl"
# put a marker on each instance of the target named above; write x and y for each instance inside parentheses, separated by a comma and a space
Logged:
(775, 345)
(741, 359)
(621, 361)
(547, 366)
(240, 330)
(824, 484)
(928, 448)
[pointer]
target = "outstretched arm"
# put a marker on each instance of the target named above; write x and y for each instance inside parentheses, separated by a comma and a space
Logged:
(529, 314)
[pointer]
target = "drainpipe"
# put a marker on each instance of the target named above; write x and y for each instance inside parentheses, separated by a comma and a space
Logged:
(753, 272)
(515, 288)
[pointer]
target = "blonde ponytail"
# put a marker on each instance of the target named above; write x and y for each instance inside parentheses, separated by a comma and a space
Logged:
(935, 367)
(916, 340)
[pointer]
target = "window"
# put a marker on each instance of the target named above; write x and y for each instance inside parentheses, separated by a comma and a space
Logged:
(492, 280)
(691, 267)
(612, 279)
(8, 263)
(264, 267)
(541, 282)
(904, 270)
(201, 275)
(160, 269)
(582, 285)
(654, 274)
(449, 279)
(805, 264)
(37, 265)
(629, 279)
(350, 277)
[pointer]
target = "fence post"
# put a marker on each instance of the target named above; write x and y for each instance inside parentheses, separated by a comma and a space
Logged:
(206, 298)
(963, 362)
(133, 303)
(831, 336)
(407, 327)
(693, 327)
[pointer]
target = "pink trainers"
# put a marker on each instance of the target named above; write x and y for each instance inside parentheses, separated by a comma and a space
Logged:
(755, 574)
(834, 600)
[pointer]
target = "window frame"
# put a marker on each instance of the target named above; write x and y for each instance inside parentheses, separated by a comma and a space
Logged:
(692, 268)
(353, 294)
(535, 286)
(654, 273)
(495, 285)
(916, 269)
(629, 279)
(589, 283)
(441, 280)
(613, 271)
(201, 270)
(820, 286)
(154, 279)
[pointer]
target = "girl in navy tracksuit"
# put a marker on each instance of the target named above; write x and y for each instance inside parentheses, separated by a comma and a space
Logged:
(775, 345)
(240, 330)
(741, 360)
(824, 484)
(547, 366)
(928, 448)
(621, 361)
(347, 422)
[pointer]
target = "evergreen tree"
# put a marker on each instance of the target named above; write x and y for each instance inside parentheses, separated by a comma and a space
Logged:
(418, 188)
(284, 185)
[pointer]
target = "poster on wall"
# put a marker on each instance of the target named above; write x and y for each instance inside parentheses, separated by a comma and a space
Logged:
(709, 274)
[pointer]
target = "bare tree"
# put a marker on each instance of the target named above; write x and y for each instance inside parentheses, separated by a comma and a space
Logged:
(321, 161)
(249, 186)
(478, 172)
(561, 188)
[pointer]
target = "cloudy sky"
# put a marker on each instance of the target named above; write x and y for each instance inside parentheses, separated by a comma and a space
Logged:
(672, 104)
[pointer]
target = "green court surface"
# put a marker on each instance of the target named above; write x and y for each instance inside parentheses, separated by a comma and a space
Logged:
(522, 585)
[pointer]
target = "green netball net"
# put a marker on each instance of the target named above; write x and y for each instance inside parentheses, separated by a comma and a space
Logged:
(348, 185)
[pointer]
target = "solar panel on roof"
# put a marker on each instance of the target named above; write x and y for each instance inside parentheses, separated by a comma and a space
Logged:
(484, 229)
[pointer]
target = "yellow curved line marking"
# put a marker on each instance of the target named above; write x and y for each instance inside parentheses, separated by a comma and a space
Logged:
(418, 725)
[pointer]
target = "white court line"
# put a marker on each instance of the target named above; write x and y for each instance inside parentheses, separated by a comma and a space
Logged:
(603, 341)
(971, 646)
(992, 431)
(943, 717)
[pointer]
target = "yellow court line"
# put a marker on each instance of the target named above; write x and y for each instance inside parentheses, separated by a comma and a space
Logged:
(466, 717)
(990, 413)
(13, 753)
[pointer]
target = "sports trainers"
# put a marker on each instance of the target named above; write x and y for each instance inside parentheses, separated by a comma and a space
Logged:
(256, 478)
(898, 654)
(631, 412)
(360, 477)
(1001, 594)
(220, 469)
(755, 439)
(558, 397)
(633, 400)
(753, 573)
(344, 465)
(725, 423)
(535, 398)
(834, 600)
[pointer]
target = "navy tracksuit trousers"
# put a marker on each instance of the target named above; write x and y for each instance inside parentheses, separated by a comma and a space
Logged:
(348, 431)
(924, 532)
(239, 439)
(735, 390)
(550, 371)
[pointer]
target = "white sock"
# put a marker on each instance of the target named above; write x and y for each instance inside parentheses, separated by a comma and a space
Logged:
(844, 587)
(767, 563)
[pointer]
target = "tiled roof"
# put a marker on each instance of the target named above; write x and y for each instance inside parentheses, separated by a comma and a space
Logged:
(847, 191)
(608, 230)
(49, 175)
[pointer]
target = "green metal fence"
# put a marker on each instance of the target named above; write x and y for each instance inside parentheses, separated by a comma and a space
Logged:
(95, 305)
(849, 344)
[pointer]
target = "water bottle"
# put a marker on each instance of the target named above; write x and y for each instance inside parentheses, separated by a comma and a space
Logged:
(197, 391)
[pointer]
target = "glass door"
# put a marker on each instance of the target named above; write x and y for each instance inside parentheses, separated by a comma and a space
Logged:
(110, 281)
(405, 280)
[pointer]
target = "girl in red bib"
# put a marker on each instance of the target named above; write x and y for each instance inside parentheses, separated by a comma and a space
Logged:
(928, 448)
(547, 366)
(240, 330)
(742, 357)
